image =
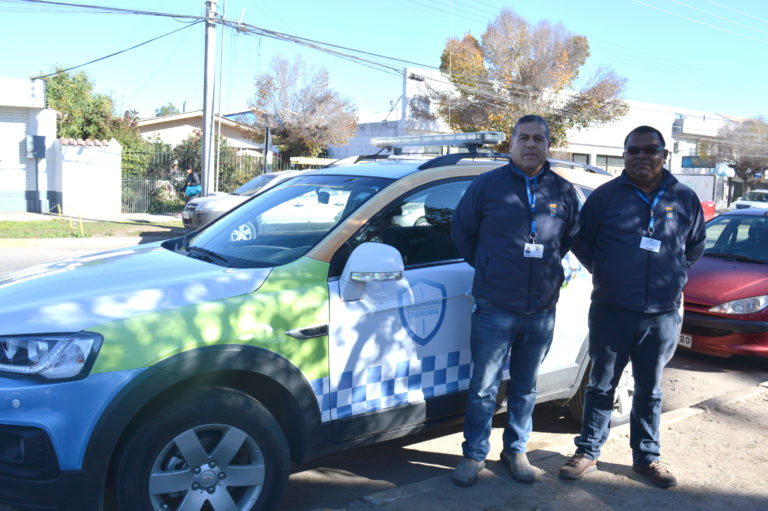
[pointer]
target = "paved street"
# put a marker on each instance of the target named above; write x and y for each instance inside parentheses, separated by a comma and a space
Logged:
(414, 473)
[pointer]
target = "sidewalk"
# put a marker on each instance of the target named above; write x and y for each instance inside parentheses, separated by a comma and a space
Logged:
(717, 450)
(25, 216)
(91, 244)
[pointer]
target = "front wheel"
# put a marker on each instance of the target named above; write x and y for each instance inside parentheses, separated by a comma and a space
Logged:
(622, 397)
(213, 449)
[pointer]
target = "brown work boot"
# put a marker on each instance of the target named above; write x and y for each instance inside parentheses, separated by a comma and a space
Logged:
(657, 472)
(576, 466)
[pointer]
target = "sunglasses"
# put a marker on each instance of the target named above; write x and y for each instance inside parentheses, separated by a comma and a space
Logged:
(633, 149)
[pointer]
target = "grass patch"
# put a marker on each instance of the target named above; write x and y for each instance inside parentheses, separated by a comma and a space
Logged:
(62, 228)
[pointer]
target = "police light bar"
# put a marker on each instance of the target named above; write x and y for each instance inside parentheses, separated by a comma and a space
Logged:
(477, 138)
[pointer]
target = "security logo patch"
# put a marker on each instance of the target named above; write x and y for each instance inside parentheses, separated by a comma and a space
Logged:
(422, 319)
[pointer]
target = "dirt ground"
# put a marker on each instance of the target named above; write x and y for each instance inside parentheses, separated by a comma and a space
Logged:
(717, 451)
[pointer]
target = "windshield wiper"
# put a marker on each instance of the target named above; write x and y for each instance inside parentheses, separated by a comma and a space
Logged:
(735, 257)
(208, 255)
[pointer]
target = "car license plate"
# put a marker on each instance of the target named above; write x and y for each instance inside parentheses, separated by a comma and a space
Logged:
(685, 340)
(186, 215)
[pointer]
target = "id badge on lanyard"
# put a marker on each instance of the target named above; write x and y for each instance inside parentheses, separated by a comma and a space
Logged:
(535, 250)
(532, 249)
(647, 242)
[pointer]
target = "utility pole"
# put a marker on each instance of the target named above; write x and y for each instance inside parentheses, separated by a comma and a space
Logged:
(208, 81)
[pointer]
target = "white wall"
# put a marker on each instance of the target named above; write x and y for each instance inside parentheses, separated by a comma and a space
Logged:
(360, 144)
(91, 182)
(23, 113)
(22, 92)
(609, 138)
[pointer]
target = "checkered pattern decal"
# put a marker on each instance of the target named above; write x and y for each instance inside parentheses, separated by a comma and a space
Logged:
(385, 386)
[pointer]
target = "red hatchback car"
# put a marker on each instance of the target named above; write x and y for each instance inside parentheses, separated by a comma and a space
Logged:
(726, 299)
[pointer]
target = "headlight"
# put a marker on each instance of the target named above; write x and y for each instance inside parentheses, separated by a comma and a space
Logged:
(743, 306)
(51, 357)
(208, 205)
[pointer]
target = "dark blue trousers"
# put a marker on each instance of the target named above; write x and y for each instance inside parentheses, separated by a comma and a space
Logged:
(617, 336)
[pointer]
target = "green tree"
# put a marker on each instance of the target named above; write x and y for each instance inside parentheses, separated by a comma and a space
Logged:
(303, 112)
(168, 109)
(86, 114)
(743, 146)
(518, 69)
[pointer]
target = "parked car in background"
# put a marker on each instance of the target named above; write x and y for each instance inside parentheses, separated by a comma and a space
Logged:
(203, 210)
(726, 298)
(751, 199)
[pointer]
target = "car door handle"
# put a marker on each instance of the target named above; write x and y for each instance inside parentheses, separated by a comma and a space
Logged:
(308, 332)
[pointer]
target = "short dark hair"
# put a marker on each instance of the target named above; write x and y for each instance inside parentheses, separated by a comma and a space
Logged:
(646, 129)
(531, 118)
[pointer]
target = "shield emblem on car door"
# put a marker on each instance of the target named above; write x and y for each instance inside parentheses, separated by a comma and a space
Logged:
(423, 317)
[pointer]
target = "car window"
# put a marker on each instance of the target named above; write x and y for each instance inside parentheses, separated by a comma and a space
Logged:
(285, 222)
(740, 236)
(254, 185)
(756, 196)
(585, 191)
(418, 225)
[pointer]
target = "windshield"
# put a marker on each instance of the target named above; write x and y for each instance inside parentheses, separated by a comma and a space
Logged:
(739, 237)
(254, 185)
(756, 196)
(283, 223)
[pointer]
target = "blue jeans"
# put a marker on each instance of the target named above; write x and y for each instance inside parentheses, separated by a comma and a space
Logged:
(496, 333)
(617, 336)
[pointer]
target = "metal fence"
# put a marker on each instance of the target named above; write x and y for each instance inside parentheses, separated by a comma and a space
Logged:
(151, 183)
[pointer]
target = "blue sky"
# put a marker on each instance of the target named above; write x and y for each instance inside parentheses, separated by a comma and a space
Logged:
(698, 54)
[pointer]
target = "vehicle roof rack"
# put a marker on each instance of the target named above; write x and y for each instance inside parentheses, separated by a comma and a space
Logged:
(471, 141)
(451, 159)
(351, 160)
(584, 166)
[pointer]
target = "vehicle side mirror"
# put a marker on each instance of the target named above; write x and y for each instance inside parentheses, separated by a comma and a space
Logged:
(369, 262)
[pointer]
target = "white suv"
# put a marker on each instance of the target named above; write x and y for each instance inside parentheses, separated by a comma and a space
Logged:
(751, 199)
(318, 316)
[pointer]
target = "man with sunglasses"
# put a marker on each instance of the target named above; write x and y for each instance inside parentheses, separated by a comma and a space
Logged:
(639, 234)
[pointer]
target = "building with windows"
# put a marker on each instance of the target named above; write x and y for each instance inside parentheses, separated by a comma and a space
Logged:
(175, 128)
(600, 146)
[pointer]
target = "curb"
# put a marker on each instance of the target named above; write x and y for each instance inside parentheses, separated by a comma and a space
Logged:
(386, 497)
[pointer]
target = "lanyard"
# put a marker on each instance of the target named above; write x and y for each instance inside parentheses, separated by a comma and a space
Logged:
(652, 205)
(530, 188)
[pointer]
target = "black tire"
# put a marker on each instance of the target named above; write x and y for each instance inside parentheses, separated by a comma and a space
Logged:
(575, 405)
(622, 402)
(170, 459)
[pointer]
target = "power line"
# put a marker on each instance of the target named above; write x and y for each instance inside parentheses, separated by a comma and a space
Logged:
(161, 66)
(746, 14)
(117, 52)
(484, 88)
(104, 9)
(671, 13)
(711, 14)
